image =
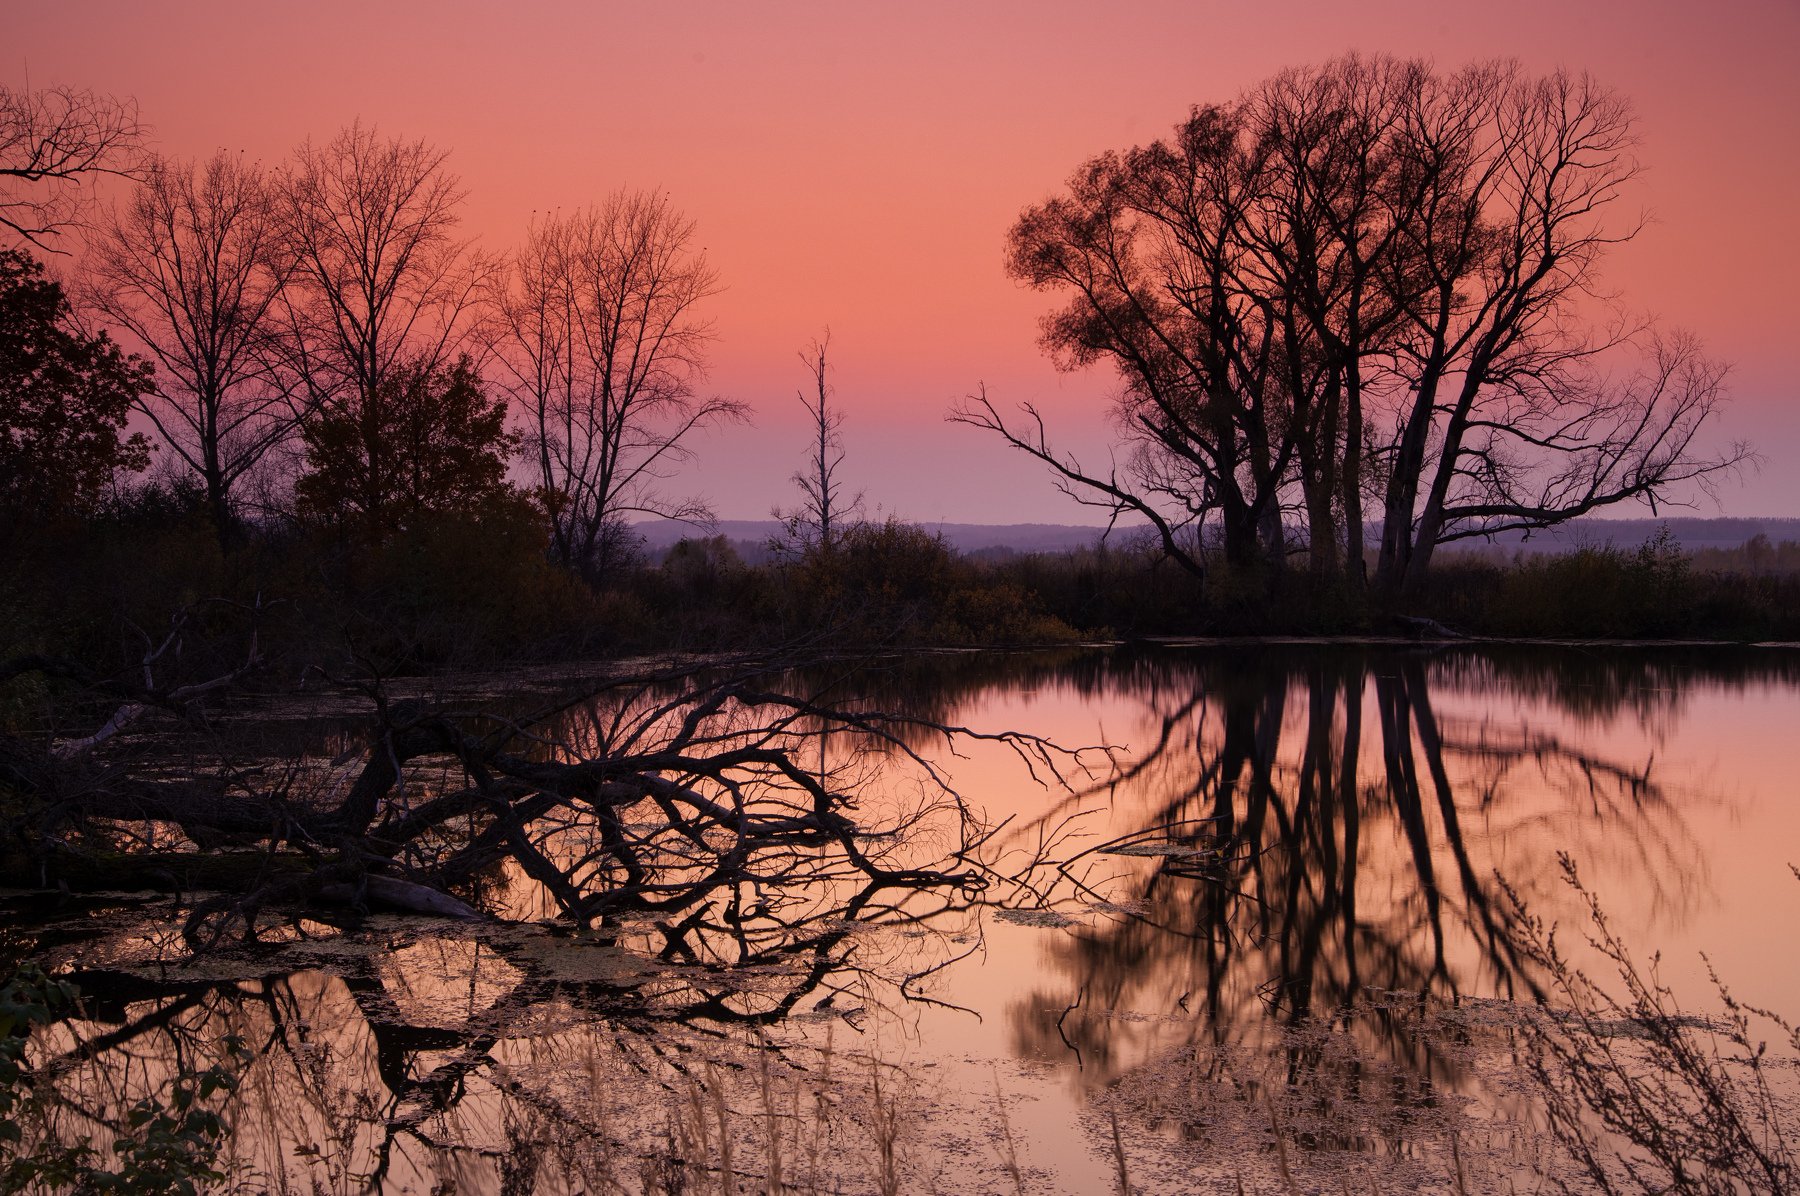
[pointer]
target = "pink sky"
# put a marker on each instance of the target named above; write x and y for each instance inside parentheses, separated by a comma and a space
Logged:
(858, 166)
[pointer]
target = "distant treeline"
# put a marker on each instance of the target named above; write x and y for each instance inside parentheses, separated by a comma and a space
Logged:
(1713, 541)
(1692, 534)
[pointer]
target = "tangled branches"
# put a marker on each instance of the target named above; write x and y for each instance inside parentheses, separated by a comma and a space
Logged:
(1643, 1096)
(659, 795)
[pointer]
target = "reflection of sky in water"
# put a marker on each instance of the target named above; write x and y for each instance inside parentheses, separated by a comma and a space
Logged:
(1329, 825)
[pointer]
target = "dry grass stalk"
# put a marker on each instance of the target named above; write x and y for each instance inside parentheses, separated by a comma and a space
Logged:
(727, 1172)
(1281, 1158)
(1641, 1095)
(772, 1130)
(821, 1088)
(885, 1128)
(1118, 1144)
(1010, 1158)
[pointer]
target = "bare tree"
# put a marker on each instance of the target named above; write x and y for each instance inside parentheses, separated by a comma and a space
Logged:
(53, 142)
(378, 284)
(1150, 247)
(191, 268)
(1365, 279)
(600, 333)
(1506, 410)
(1337, 200)
(819, 519)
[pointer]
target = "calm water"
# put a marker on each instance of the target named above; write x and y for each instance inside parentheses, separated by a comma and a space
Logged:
(1280, 949)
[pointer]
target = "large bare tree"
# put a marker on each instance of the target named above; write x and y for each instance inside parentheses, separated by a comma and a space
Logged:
(1512, 405)
(605, 349)
(1334, 202)
(1150, 248)
(191, 267)
(54, 142)
(1366, 280)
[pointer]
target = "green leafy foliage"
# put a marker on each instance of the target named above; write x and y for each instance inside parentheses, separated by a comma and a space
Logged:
(167, 1143)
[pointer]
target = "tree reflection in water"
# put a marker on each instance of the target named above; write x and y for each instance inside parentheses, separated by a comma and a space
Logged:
(1310, 862)
(710, 854)
(1299, 884)
(499, 1056)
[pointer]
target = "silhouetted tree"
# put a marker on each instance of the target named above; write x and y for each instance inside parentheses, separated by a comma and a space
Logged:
(1511, 411)
(1360, 248)
(376, 282)
(1150, 244)
(605, 347)
(1339, 199)
(53, 142)
(65, 396)
(426, 440)
(191, 268)
(819, 519)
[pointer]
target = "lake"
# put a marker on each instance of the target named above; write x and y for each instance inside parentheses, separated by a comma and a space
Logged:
(1284, 926)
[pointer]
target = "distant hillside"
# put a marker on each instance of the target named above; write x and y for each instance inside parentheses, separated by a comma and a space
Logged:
(964, 537)
(1690, 533)
(751, 536)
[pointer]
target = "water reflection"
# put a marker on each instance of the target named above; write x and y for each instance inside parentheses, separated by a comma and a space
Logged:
(1312, 828)
(1299, 884)
(1319, 857)
(415, 1055)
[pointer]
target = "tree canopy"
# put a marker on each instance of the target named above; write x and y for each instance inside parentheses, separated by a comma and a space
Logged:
(1364, 282)
(65, 396)
(425, 440)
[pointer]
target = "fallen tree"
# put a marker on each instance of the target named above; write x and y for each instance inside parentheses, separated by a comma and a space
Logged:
(650, 794)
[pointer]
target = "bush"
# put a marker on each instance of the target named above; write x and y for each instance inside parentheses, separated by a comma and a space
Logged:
(894, 582)
(458, 588)
(1651, 592)
(167, 1143)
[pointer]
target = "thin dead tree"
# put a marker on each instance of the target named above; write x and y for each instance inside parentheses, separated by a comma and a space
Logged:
(819, 519)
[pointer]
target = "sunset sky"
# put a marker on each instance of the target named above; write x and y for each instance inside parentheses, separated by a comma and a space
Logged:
(857, 166)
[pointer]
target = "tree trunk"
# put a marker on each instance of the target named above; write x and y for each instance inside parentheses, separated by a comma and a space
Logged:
(1350, 480)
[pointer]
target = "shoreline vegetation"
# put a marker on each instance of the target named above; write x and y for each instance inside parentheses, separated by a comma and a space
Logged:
(1346, 324)
(455, 593)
